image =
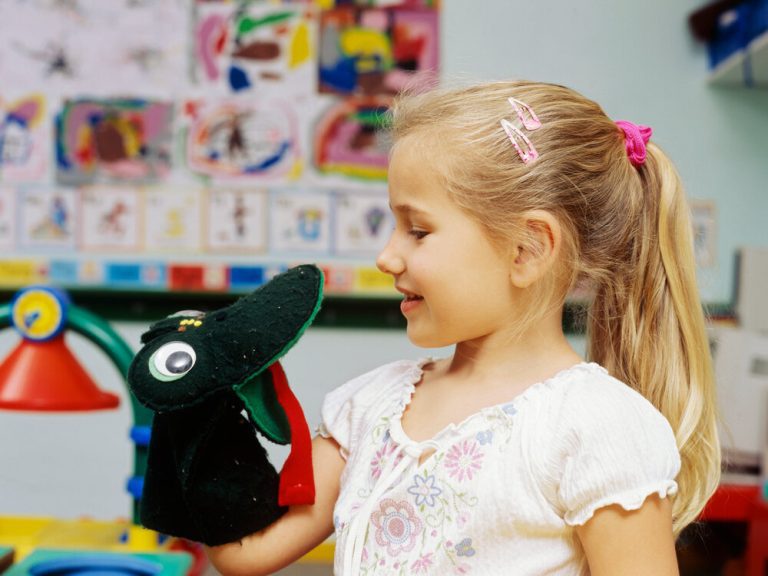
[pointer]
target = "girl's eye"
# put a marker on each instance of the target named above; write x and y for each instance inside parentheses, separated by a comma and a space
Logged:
(172, 361)
(418, 234)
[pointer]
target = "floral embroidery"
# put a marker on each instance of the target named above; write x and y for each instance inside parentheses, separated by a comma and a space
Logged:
(464, 548)
(461, 568)
(485, 437)
(397, 526)
(424, 489)
(509, 409)
(464, 460)
(380, 458)
(422, 564)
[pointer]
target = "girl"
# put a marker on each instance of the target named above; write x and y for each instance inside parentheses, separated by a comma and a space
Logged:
(514, 455)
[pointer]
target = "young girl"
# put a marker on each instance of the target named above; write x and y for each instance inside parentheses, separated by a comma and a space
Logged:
(514, 455)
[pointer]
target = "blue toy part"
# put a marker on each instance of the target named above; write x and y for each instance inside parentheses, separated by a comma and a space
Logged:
(96, 565)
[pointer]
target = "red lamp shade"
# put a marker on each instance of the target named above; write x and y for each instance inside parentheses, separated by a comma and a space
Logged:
(46, 376)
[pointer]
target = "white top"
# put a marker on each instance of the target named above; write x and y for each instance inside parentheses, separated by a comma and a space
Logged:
(503, 490)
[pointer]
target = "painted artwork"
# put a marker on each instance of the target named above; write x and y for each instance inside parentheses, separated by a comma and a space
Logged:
(350, 139)
(7, 217)
(113, 140)
(255, 46)
(24, 143)
(94, 47)
(139, 135)
(301, 222)
(111, 218)
(243, 138)
(172, 219)
(237, 220)
(48, 217)
(380, 3)
(363, 223)
(376, 50)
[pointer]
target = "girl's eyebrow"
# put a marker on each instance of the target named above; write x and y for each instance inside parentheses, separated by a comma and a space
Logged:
(406, 209)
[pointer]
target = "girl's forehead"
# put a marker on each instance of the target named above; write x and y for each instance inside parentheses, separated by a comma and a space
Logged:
(412, 160)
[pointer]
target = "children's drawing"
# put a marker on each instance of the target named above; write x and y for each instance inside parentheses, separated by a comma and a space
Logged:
(113, 140)
(23, 143)
(237, 220)
(363, 223)
(350, 139)
(7, 217)
(246, 46)
(243, 139)
(94, 47)
(327, 4)
(376, 50)
(110, 218)
(172, 219)
(48, 217)
(300, 222)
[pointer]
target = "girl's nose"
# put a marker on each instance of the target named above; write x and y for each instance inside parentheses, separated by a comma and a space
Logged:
(388, 261)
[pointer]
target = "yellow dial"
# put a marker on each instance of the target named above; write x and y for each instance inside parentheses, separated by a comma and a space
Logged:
(39, 313)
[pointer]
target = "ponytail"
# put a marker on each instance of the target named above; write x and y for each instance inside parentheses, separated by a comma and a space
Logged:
(646, 326)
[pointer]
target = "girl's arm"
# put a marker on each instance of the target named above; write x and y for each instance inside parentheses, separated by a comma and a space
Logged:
(295, 533)
(618, 542)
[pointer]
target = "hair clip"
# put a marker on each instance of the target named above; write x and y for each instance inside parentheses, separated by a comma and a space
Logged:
(635, 139)
(529, 122)
(514, 133)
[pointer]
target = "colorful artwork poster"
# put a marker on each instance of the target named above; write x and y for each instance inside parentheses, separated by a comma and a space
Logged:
(351, 139)
(7, 217)
(377, 50)
(113, 140)
(300, 222)
(250, 46)
(237, 220)
(172, 219)
(362, 224)
(94, 47)
(111, 218)
(48, 217)
(244, 139)
(24, 139)
(381, 3)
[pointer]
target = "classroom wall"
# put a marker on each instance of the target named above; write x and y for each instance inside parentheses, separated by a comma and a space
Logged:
(637, 58)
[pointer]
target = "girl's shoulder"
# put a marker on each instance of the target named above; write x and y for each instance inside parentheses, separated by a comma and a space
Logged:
(348, 409)
(588, 391)
(385, 379)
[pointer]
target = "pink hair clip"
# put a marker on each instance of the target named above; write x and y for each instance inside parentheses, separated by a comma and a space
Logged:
(519, 141)
(529, 122)
(635, 139)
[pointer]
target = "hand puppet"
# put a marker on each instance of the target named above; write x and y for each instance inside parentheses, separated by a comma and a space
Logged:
(212, 380)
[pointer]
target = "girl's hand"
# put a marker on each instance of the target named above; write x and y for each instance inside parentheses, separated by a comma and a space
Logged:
(618, 542)
(296, 533)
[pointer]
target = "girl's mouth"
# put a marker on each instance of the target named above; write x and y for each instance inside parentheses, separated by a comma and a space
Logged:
(409, 303)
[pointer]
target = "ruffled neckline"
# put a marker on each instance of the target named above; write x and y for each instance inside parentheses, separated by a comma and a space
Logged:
(503, 410)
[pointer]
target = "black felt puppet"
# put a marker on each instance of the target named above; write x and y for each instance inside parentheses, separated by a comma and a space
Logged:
(212, 380)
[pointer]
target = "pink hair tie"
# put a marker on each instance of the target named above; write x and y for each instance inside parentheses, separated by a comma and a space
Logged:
(635, 139)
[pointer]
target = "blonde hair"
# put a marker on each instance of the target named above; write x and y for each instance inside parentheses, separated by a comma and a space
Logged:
(626, 233)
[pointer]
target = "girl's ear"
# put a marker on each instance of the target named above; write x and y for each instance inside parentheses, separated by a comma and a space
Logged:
(536, 252)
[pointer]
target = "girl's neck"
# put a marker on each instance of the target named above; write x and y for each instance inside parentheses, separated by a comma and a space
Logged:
(539, 353)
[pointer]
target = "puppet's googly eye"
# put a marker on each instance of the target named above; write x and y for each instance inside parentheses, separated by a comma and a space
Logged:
(171, 361)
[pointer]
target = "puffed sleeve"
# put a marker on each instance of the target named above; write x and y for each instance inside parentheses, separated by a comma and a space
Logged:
(347, 411)
(618, 449)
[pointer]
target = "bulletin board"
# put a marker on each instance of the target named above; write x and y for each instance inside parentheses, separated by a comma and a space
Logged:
(201, 146)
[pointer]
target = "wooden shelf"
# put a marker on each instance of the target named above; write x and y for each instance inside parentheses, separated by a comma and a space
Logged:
(747, 67)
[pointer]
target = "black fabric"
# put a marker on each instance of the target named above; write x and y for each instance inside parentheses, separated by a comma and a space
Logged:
(208, 479)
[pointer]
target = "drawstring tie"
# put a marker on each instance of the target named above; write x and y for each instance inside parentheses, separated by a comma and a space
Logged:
(358, 526)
